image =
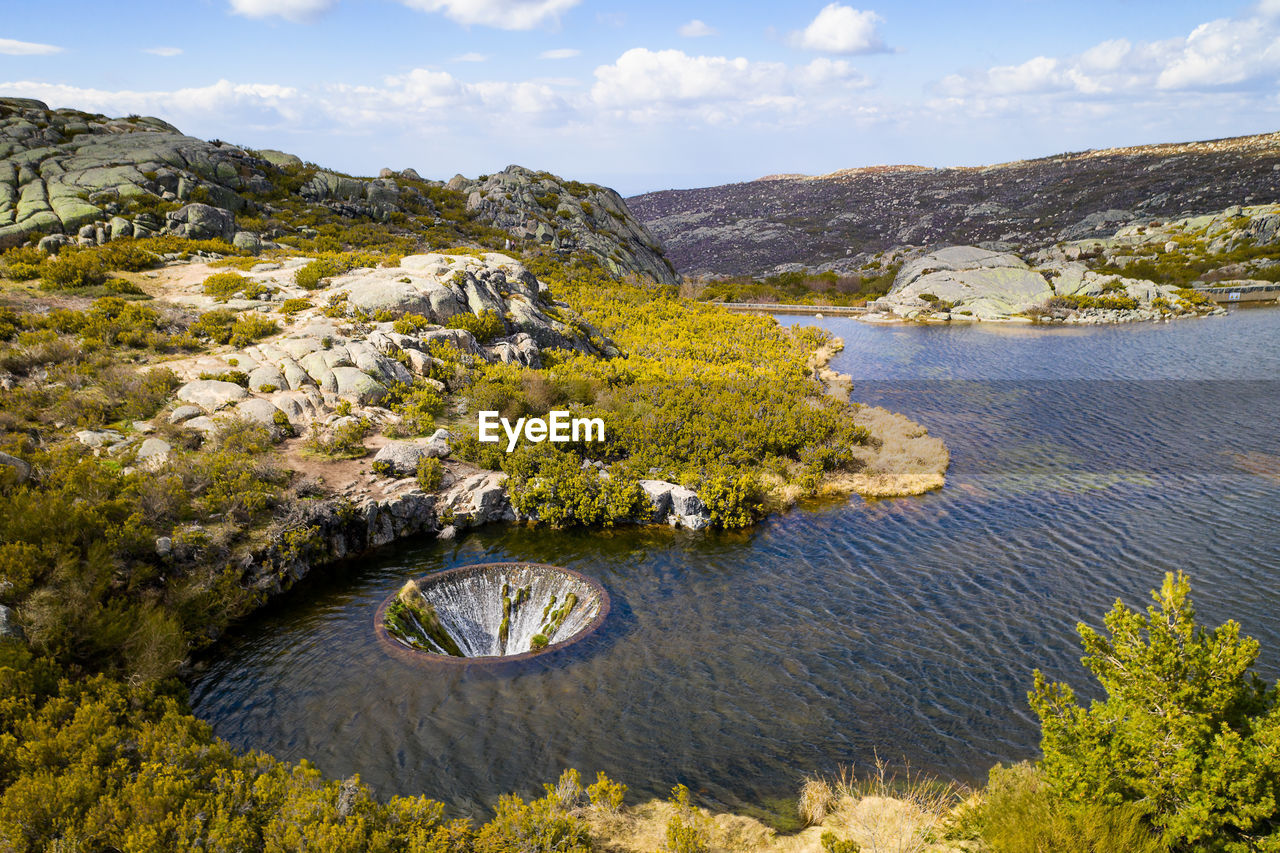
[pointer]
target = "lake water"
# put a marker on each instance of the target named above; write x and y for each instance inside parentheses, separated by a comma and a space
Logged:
(1086, 463)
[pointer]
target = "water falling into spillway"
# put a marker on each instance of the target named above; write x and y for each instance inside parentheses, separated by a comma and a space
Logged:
(492, 610)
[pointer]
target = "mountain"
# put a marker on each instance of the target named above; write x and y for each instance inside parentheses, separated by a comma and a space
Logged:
(827, 221)
(72, 176)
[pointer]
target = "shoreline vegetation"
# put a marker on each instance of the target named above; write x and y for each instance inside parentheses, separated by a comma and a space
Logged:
(132, 534)
(137, 522)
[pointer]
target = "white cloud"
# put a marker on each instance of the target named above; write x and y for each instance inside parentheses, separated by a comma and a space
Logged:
(163, 51)
(234, 104)
(293, 10)
(560, 53)
(697, 29)
(646, 85)
(1227, 53)
(472, 57)
(841, 29)
(12, 47)
(501, 14)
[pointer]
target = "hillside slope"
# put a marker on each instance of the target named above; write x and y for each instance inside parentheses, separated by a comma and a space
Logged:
(90, 178)
(755, 227)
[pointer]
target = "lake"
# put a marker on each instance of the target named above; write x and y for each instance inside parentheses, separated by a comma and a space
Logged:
(1086, 463)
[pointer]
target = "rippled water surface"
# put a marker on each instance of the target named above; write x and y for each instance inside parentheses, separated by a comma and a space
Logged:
(1085, 464)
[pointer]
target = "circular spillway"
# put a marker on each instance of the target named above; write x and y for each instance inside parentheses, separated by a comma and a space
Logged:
(490, 612)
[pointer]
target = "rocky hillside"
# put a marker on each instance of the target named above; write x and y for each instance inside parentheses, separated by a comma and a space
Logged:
(829, 221)
(70, 176)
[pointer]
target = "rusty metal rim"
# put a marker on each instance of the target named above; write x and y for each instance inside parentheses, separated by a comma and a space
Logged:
(402, 652)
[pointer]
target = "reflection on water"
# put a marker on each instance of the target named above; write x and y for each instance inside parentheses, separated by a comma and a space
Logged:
(737, 663)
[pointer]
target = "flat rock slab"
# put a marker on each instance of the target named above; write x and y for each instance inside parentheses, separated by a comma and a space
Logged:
(211, 394)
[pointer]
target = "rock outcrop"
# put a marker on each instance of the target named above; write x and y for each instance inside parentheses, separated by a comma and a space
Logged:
(967, 283)
(346, 351)
(568, 215)
(988, 285)
(82, 178)
(675, 505)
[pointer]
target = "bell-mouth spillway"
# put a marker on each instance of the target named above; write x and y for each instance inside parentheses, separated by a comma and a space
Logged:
(490, 613)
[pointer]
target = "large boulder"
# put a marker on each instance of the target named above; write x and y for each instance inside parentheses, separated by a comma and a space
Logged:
(358, 386)
(13, 467)
(400, 457)
(988, 285)
(9, 627)
(153, 453)
(203, 222)
(211, 394)
(675, 505)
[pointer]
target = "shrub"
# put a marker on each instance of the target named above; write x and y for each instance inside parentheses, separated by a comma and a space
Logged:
(310, 276)
(606, 795)
(484, 326)
(1018, 813)
(541, 826)
(831, 843)
(124, 287)
(430, 473)
(734, 498)
(1185, 734)
(224, 285)
(72, 269)
(554, 487)
(1077, 302)
(238, 377)
(127, 255)
(417, 405)
(293, 306)
(344, 441)
(410, 324)
(687, 830)
(224, 326)
(22, 263)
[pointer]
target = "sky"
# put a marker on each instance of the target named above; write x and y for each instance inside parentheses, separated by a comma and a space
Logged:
(657, 95)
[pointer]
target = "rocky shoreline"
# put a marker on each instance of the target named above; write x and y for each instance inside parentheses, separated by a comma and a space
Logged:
(903, 461)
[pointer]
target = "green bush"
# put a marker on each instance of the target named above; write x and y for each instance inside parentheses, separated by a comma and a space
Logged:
(1018, 813)
(345, 441)
(128, 255)
(540, 826)
(833, 844)
(553, 487)
(224, 326)
(430, 473)
(485, 326)
(310, 276)
(1186, 734)
(417, 405)
(734, 498)
(22, 263)
(1106, 303)
(687, 828)
(293, 306)
(72, 269)
(238, 377)
(606, 795)
(411, 324)
(224, 285)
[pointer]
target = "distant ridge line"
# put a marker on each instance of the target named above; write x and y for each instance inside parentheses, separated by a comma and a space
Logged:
(1226, 143)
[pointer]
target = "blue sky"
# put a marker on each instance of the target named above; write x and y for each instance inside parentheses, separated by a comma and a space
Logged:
(644, 96)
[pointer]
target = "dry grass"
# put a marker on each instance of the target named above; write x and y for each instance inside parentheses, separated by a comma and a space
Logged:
(886, 812)
(903, 459)
(816, 799)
